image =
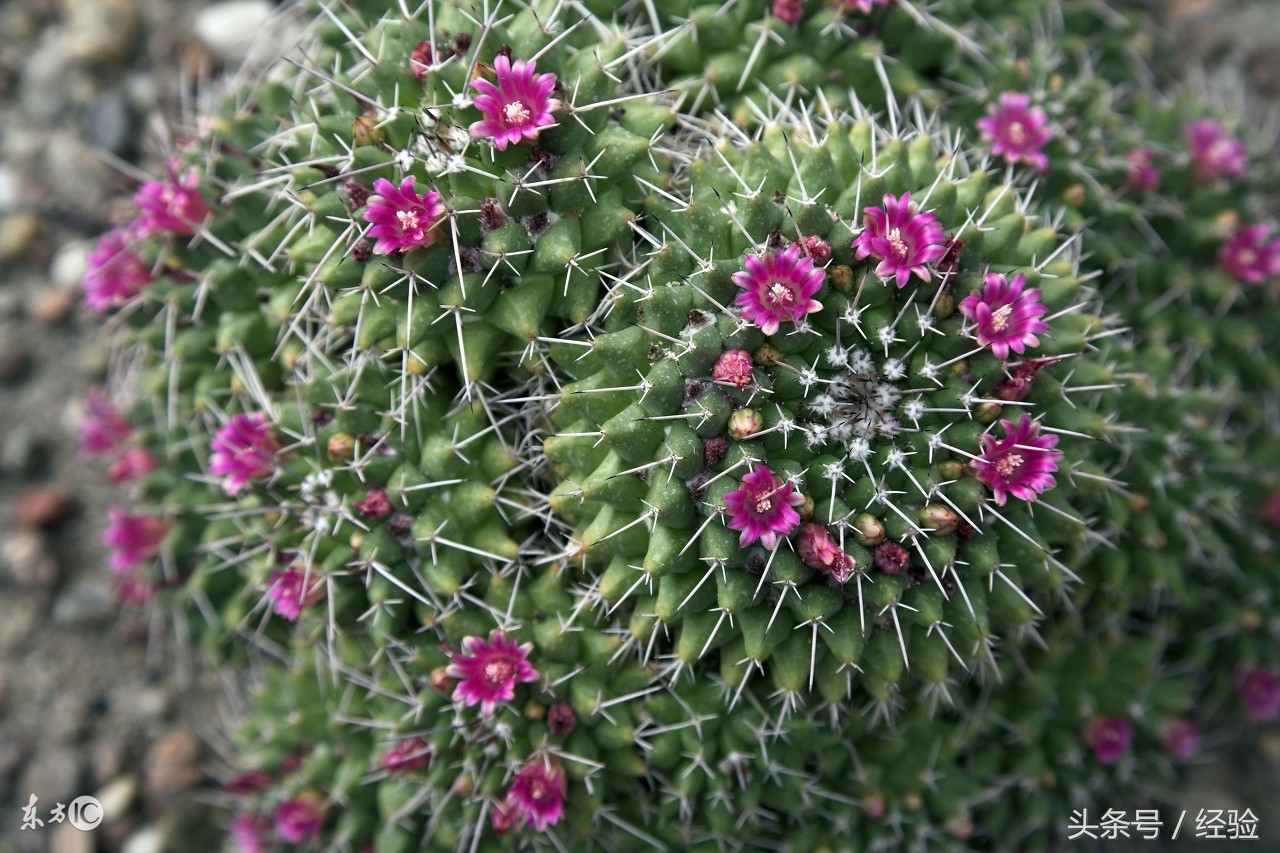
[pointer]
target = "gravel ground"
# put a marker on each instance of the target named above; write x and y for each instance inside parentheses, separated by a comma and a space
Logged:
(96, 702)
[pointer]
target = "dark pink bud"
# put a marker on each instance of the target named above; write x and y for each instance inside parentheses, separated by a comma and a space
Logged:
(891, 558)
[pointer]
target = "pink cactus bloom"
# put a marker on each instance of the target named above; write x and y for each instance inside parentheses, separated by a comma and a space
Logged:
(904, 239)
(864, 6)
(1142, 175)
(1021, 464)
(488, 672)
(790, 12)
(172, 206)
(1109, 738)
(538, 792)
(402, 219)
(293, 589)
(819, 550)
(1214, 153)
(133, 464)
(1250, 256)
(115, 273)
(375, 504)
(733, 367)
(503, 816)
(299, 819)
(251, 833)
(778, 287)
(408, 755)
(1181, 739)
(244, 449)
(763, 508)
(1259, 689)
(1007, 315)
(1017, 130)
(516, 109)
(131, 539)
(104, 429)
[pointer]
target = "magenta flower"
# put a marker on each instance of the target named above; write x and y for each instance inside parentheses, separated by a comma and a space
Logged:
(904, 239)
(778, 287)
(1214, 153)
(244, 449)
(1021, 464)
(293, 589)
(819, 550)
(133, 464)
(1259, 689)
(299, 819)
(1250, 256)
(251, 833)
(503, 816)
(104, 429)
(171, 206)
(518, 108)
(1018, 130)
(864, 6)
(402, 219)
(1142, 175)
(1007, 316)
(115, 272)
(132, 539)
(538, 792)
(1181, 739)
(1109, 738)
(763, 508)
(489, 671)
(408, 755)
(375, 504)
(733, 367)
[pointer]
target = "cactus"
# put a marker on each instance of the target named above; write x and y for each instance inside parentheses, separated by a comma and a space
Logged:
(620, 427)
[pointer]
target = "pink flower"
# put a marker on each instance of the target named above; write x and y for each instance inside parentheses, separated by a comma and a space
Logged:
(1250, 256)
(904, 239)
(104, 429)
(1021, 464)
(375, 504)
(790, 12)
(293, 589)
(489, 671)
(244, 449)
(115, 272)
(1018, 130)
(171, 206)
(864, 6)
(402, 219)
(408, 755)
(1109, 738)
(733, 367)
(819, 550)
(299, 819)
(778, 287)
(251, 833)
(1214, 154)
(132, 539)
(503, 816)
(538, 792)
(1007, 316)
(133, 463)
(1181, 739)
(763, 508)
(1142, 175)
(518, 108)
(1259, 689)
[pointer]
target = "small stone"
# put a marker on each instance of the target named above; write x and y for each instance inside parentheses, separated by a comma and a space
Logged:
(53, 307)
(11, 303)
(108, 121)
(43, 506)
(149, 839)
(230, 28)
(86, 603)
(101, 32)
(27, 561)
(146, 705)
(53, 775)
(10, 189)
(12, 753)
(18, 619)
(70, 263)
(171, 767)
(117, 797)
(19, 453)
(67, 839)
(14, 361)
(17, 232)
(1269, 746)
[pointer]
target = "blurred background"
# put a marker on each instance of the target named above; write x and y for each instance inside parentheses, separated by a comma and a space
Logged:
(93, 700)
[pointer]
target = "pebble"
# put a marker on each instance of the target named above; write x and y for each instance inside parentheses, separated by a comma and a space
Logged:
(69, 264)
(101, 32)
(10, 189)
(67, 839)
(172, 765)
(19, 452)
(18, 620)
(43, 506)
(11, 303)
(17, 232)
(12, 753)
(45, 90)
(53, 307)
(53, 776)
(86, 603)
(14, 361)
(117, 796)
(230, 28)
(108, 121)
(27, 560)
(149, 839)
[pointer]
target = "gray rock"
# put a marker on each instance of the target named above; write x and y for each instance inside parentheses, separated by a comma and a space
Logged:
(108, 121)
(149, 839)
(44, 88)
(101, 32)
(53, 775)
(19, 452)
(18, 231)
(27, 560)
(86, 603)
(10, 189)
(230, 28)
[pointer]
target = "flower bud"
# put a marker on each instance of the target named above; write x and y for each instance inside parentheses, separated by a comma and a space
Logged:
(766, 355)
(841, 277)
(937, 518)
(341, 447)
(868, 530)
(745, 423)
